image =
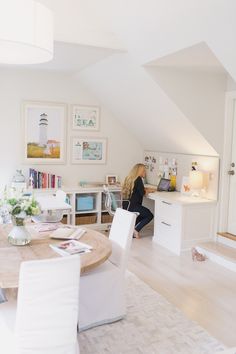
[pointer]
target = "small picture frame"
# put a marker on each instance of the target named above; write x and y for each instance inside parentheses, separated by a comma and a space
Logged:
(88, 150)
(111, 180)
(85, 118)
(185, 186)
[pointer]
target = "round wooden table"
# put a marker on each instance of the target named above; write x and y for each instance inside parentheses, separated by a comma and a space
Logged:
(12, 256)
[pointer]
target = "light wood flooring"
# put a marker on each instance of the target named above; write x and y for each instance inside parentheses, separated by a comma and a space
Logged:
(204, 291)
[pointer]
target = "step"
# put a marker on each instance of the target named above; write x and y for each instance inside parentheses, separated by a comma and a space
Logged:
(219, 253)
(227, 239)
(227, 235)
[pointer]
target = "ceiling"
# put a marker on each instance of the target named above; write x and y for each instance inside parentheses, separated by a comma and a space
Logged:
(111, 42)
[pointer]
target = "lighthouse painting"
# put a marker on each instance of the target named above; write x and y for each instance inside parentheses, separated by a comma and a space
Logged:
(44, 128)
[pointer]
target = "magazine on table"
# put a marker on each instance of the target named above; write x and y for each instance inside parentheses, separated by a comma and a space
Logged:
(71, 247)
(67, 233)
(45, 227)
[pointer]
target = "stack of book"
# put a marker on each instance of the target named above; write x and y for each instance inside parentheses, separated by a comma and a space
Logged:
(39, 180)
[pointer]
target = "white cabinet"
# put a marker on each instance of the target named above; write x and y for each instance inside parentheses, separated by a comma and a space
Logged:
(181, 221)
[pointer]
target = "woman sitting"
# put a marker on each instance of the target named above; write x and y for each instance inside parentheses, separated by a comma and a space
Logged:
(133, 190)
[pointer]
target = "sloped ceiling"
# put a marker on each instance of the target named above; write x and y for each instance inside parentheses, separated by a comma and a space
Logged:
(148, 30)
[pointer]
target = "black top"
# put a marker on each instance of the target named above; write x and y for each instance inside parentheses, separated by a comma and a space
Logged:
(138, 192)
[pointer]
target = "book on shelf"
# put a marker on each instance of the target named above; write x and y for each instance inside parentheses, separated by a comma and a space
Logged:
(68, 233)
(38, 180)
(71, 247)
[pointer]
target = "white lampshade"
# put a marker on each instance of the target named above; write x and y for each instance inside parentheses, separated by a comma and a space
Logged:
(26, 32)
(195, 179)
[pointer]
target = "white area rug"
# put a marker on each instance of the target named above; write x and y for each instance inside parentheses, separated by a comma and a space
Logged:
(152, 326)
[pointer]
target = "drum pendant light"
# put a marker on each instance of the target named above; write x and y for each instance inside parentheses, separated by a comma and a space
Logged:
(26, 32)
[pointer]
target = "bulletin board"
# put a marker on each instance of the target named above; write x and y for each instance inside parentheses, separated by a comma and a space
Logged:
(158, 163)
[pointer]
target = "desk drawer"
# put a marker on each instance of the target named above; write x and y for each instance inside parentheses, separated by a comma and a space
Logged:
(168, 234)
(168, 210)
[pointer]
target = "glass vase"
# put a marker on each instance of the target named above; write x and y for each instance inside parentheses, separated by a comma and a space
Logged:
(19, 235)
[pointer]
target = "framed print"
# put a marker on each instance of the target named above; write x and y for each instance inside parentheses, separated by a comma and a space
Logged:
(44, 128)
(88, 150)
(185, 186)
(111, 180)
(85, 117)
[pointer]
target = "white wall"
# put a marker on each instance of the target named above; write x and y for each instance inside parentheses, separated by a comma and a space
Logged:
(142, 105)
(17, 85)
(231, 84)
(200, 95)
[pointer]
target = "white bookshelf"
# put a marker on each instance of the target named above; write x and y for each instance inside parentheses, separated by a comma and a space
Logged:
(95, 215)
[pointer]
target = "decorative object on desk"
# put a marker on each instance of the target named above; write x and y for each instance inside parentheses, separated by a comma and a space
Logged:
(111, 180)
(85, 117)
(88, 150)
(173, 175)
(44, 132)
(196, 182)
(185, 186)
(194, 166)
(18, 181)
(39, 180)
(19, 206)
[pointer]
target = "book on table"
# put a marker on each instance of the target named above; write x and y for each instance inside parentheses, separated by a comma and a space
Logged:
(67, 233)
(71, 247)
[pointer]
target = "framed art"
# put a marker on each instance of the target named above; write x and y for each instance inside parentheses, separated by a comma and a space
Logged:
(88, 150)
(85, 117)
(44, 132)
(185, 186)
(111, 180)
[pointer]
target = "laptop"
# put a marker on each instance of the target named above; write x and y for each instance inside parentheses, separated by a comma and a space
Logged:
(164, 185)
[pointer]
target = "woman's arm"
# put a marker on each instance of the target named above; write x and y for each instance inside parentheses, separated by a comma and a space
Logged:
(149, 190)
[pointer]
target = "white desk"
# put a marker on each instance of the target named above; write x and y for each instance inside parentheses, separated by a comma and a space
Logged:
(180, 222)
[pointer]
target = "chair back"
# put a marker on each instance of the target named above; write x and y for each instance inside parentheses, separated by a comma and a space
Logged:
(111, 201)
(47, 306)
(61, 195)
(121, 234)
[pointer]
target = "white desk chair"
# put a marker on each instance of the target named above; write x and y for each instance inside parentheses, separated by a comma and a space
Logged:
(102, 292)
(111, 201)
(46, 313)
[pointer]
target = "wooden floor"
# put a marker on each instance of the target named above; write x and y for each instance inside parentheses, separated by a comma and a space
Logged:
(204, 291)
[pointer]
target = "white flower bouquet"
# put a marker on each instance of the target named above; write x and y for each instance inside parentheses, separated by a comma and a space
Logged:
(19, 205)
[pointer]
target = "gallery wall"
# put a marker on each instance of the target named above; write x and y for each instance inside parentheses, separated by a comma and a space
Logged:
(18, 85)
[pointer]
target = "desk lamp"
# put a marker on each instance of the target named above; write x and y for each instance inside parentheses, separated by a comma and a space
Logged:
(196, 182)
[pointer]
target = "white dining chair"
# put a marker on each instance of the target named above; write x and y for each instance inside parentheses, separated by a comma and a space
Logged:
(44, 318)
(102, 292)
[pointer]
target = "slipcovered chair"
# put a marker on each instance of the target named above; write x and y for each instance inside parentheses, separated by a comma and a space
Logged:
(44, 318)
(102, 292)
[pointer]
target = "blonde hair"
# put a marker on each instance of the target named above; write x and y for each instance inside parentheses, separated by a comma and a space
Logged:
(128, 184)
